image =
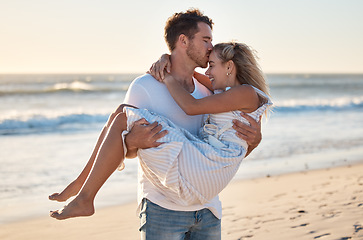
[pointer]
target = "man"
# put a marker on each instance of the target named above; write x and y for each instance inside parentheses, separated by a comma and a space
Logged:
(189, 38)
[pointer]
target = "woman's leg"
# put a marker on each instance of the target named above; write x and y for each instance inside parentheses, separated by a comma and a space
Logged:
(109, 157)
(73, 188)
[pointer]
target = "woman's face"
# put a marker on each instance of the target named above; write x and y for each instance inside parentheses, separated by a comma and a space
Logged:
(217, 72)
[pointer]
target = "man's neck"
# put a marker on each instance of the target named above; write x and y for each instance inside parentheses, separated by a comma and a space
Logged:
(182, 70)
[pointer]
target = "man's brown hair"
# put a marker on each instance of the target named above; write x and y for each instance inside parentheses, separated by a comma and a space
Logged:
(184, 23)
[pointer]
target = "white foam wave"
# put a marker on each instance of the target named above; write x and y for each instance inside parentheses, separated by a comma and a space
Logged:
(73, 86)
(320, 103)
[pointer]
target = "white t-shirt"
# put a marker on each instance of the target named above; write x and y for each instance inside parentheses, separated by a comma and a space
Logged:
(146, 92)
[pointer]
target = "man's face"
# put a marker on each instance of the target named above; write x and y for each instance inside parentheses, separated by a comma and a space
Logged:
(200, 46)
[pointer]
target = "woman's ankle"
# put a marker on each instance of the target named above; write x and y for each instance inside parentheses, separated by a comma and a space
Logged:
(85, 196)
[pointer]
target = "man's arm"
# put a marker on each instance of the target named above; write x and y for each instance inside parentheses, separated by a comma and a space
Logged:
(250, 133)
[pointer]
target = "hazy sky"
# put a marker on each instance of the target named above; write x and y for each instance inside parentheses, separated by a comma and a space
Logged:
(116, 36)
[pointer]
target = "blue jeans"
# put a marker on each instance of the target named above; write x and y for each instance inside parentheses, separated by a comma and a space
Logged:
(158, 223)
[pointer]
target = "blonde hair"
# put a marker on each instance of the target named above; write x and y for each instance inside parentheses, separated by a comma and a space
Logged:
(247, 69)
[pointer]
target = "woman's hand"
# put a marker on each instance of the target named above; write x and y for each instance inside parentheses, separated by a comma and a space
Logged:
(160, 67)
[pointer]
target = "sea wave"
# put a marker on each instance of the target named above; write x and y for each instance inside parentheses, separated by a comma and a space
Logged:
(43, 124)
(48, 122)
(75, 86)
(336, 104)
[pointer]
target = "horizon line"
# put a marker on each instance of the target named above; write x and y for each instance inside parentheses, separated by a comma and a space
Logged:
(140, 73)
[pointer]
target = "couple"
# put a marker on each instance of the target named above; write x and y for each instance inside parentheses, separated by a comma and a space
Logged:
(180, 175)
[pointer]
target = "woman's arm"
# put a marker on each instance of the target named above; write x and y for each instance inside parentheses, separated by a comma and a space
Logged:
(203, 79)
(158, 69)
(241, 97)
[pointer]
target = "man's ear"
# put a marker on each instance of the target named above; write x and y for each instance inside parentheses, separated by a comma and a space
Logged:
(183, 40)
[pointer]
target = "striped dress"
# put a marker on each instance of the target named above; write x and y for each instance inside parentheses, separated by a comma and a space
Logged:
(193, 169)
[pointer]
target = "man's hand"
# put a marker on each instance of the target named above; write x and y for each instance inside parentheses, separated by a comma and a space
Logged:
(251, 134)
(143, 135)
(157, 69)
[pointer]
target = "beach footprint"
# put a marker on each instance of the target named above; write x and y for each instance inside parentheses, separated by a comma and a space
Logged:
(358, 230)
(322, 235)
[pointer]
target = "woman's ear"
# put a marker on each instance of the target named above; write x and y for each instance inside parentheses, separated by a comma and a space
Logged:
(230, 66)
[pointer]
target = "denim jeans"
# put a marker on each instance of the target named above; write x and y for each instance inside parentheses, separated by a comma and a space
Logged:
(158, 223)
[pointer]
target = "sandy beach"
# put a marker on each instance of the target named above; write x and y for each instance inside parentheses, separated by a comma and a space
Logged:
(319, 204)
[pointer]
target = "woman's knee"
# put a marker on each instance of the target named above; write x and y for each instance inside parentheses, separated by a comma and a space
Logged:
(120, 121)
(119, 110)
(121, 107)
(113, 115)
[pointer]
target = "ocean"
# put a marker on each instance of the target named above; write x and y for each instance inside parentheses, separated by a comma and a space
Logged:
(49, 124)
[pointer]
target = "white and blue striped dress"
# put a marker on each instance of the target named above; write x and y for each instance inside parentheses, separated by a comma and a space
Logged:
(191, 169)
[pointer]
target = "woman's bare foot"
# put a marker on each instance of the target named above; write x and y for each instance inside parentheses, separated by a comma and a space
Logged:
(79, 207)
(71, 190)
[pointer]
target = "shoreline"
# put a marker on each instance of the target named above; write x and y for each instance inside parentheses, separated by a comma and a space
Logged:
(325, 204)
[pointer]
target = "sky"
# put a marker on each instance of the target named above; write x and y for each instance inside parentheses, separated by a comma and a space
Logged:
(116, 36)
